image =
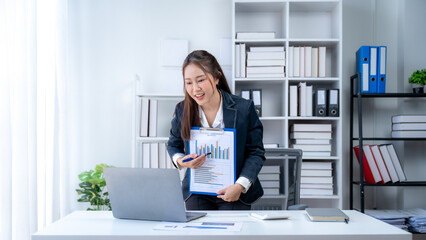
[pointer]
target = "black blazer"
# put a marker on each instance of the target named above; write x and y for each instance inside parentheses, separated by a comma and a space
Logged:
(240, 114)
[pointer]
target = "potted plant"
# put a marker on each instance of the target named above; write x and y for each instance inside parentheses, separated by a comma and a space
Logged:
(418, 80)
(92, 189)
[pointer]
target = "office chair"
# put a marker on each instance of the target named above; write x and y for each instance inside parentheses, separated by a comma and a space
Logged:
(293, 163)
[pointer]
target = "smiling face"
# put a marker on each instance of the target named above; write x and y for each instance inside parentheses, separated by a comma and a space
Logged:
(200, 86)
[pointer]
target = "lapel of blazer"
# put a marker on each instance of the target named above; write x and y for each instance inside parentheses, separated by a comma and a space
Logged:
(229, 112)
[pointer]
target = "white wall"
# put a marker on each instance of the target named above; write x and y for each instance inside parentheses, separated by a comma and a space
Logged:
(413, 57)
(357, 31)
(112, 41)
(395, 24)
(370, 22)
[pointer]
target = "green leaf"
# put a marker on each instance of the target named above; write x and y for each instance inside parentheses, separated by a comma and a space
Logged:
(94, 181)
(418, 77)
(83, 200)
(85, 184)
(91, 188)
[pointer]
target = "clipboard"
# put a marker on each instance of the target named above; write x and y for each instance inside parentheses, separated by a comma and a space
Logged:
(218, 171)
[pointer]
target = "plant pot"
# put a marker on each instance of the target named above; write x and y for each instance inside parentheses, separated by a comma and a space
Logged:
(417, 88)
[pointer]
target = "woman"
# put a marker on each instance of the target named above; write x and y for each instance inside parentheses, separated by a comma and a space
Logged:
(209, 103)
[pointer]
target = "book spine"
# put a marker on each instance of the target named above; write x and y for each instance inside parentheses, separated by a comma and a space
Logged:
(368, 175)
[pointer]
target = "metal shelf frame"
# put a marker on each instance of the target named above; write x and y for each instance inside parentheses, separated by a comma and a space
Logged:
(362, 184)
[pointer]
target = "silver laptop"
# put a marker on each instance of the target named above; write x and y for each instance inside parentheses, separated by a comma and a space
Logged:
(147, 194)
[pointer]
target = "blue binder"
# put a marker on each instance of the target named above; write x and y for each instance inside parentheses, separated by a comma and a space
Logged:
(372, 79)
(381, 69)
(363, 68)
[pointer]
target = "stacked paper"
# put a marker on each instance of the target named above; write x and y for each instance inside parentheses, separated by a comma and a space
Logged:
(269, 177)
(413, 220)
(409, 126)
(313, 139)
(266, 62)
(316, 178)
(417, 224)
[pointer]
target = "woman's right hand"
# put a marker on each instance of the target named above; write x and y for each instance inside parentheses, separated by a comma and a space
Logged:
(195, 163)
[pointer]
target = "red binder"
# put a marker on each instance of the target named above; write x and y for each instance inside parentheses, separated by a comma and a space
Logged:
(368, 174)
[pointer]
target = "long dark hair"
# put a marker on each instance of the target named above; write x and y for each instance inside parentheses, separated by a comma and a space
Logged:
(208, 64)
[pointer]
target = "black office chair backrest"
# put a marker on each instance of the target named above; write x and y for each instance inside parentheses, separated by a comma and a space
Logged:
(293, 161)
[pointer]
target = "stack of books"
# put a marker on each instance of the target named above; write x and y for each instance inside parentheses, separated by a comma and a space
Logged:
(271, 145)
(381, 164)
(265, 62)
(306, 61)
(313, 139)
(316, 178)
(255, 35)
(409, 126)
(269, 177)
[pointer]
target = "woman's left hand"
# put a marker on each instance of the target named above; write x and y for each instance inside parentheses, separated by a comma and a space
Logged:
(231, 193)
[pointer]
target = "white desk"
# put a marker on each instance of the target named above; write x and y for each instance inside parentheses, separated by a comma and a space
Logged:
(102, 225)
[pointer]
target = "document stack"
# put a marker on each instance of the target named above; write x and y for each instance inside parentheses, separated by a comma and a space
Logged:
(307, 61)
(381, 164)
(397, 218)
(409, 126)
(313, 139)
(316, 178)
(269, 177)
(417, 222)
(413, 220)
(371, 66)
(271, 145)
(255, 35)
(266, 62)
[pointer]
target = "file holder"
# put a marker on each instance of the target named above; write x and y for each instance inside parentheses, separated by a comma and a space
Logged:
(245, 93)
(320, 102)
(333, 103)
(256, 95)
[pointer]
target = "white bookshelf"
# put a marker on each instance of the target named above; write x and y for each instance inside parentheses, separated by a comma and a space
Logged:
(295, 23)
(165, 109)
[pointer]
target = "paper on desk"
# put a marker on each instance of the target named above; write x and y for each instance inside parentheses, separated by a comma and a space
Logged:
(201, 226)
(395, 214)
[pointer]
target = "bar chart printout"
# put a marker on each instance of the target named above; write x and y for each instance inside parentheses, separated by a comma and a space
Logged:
(218, 171)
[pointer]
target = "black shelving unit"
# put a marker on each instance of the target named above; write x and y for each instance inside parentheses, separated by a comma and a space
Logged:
(358, 96)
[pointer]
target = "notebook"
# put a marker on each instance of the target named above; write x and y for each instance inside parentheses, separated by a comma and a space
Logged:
(147, 194)
(326, 215)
